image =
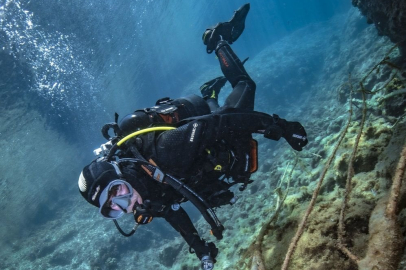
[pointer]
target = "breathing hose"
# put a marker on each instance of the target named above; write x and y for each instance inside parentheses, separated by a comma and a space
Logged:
(122, 232)
(132, 135)
(142, 131)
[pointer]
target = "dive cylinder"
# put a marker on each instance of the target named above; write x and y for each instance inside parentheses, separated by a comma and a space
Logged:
(165, 111)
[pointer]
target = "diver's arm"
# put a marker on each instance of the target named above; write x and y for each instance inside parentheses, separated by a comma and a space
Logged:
(235, 122)
(179, 148)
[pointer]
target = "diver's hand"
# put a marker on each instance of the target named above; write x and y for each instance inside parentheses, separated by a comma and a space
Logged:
(295, 135)
(293, 132)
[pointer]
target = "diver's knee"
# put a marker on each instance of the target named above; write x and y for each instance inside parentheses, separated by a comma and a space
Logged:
(252, 84)
(247, 81)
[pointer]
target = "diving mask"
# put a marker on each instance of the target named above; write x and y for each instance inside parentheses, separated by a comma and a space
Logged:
(117, 194)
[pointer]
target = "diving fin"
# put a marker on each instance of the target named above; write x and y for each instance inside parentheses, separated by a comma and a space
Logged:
(229, 31)
(238, 21)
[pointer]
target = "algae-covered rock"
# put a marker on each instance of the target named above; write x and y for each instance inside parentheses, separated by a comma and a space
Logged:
(385, 244)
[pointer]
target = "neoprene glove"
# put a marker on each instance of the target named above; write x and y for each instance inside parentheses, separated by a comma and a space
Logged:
(293, 132)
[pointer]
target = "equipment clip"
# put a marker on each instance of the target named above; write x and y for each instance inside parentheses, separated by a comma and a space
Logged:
(158, 175)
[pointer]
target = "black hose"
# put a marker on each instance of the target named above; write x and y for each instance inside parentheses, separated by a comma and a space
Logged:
(208, 214)
(112, 152)
(122, 232)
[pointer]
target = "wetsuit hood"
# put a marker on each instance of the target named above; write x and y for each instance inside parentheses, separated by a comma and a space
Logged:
(96, 176)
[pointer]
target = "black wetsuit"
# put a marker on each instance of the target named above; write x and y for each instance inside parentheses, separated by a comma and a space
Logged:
(201, 149)
(209, 150)
(204, 148)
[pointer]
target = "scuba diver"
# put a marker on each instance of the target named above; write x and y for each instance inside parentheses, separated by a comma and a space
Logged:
(187, 149)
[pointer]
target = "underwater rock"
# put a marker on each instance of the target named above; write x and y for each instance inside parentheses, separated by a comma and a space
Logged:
(168, 255)
(389, 18)
(385, 242)
(395, 99)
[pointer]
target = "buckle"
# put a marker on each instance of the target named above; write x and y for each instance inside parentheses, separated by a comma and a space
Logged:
(158, 175)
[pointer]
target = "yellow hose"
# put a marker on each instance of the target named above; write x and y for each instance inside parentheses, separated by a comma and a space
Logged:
(142, 131)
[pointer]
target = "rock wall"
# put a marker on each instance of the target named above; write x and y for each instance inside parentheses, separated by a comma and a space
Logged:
(389, 18)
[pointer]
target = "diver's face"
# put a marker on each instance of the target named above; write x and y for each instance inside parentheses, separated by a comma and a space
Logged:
(123, 190)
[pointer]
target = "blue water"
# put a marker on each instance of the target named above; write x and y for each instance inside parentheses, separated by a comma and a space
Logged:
(77, 62)
(78, 56)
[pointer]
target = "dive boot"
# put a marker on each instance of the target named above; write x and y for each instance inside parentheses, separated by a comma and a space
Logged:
(211, 89)
(228, 31)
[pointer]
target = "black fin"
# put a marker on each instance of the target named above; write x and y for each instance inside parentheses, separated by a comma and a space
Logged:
(238, 21)
(229, 31)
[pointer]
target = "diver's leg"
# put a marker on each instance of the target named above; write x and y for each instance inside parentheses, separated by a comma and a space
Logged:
(218, 39)
(213, 104)
(243, 94)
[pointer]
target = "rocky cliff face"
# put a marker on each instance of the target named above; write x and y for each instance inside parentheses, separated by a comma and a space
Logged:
(389, 18)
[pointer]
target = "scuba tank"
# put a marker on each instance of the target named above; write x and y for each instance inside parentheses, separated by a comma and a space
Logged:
(165, 111)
